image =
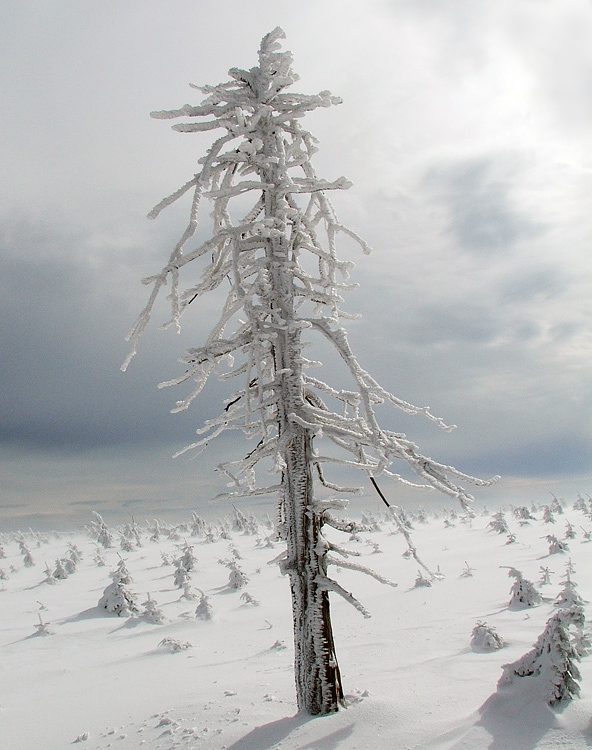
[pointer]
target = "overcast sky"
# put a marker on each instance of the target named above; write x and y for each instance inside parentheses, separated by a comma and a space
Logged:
(466, 128)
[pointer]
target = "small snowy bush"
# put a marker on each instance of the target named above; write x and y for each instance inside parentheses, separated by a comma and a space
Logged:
(552, 659)
(484, 638)
(523, 593)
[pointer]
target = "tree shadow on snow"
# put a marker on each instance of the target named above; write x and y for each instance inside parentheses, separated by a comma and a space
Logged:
(517, 717)
(269, 735)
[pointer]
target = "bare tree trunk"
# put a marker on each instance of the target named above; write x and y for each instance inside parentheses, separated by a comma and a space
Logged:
(318, 682)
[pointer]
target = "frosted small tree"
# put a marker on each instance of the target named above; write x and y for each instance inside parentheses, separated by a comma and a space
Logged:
(523, 593)
(556, 546)
(485, 638)
(273, 249)
(204, 610)
(117, 598)
(151, 612)
(552, 659)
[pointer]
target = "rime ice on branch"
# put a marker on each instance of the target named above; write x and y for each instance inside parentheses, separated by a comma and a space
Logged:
(274, 250)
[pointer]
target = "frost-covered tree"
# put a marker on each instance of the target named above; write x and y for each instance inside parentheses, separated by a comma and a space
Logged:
(552, 659)
(100, 531)
(151, 612)
(568, 596)
(273, 252)
(498, 523)
(204, 610)
(117, 598)
(485, 638)
(556, 546)
(523, 593)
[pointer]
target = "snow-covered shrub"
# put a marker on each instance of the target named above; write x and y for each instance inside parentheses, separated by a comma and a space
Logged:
(248, 599)
(467, 571)
(552, 659)
(548, 516)
(181, 576)
(42, 628)
(74, 552)
(498, 523)
(421, 580)
(99, 531)
(557, 505)
(522, 514)
(28, 560)
(546, 573)
(198, 525)
(151, 612)
(49, 577)
(556, 546)
(99, 559)
(126, 544)
(237, 578)
(523, 593)
(60, 573)
(204, 609)
(117, 598)
(187, 559)
(484, 638)
(175, 646)
(568, 596)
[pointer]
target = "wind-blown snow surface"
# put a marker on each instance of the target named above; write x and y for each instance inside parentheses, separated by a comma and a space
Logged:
(411, 678)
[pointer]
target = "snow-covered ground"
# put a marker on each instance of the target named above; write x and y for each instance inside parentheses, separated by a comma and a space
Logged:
(411, 677)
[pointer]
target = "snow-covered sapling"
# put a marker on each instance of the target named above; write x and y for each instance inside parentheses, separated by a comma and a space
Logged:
(557, 505)
(467, 571)
(248, 599)
(556, 546)
(99, 559)
(498, 523)
(151, 612)
(188, 593)
(236, 578)
(42, 628)
(188, 560)
(568, 596)
(204, 610)
(570, 532)
(181, 576)
(60, 573)
(523, 593)
(28, 560)
(546, 573)
(421, 580)
(198, 525)
(99, 530)
(552, 659)
(485, 638)
(49, 577)
(276, 258)
(126, 544)
(548, 516)
(174, 646)
(117, 598)
(523, 515)
(74, 552)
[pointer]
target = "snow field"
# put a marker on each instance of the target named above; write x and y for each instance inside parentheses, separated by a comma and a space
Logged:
(411, 678)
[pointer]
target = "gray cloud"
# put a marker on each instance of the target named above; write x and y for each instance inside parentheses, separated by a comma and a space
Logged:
(483, 218)
(64, 317)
